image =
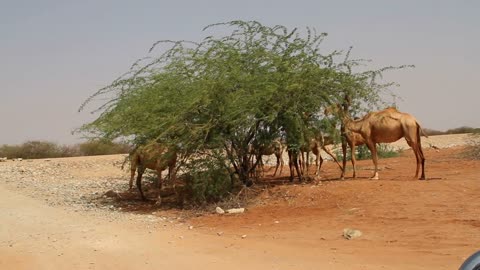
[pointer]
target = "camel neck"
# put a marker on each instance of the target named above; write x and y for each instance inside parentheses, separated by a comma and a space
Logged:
(352, 125)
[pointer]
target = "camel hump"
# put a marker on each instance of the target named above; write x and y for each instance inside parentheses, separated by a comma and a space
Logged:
(393, 113)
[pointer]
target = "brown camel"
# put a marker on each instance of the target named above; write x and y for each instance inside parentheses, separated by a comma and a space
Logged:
(353, 139)
(155, 157)
(315, 145)
(276, 147)
(388, 126)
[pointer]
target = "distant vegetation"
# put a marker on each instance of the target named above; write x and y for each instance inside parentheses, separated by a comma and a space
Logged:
(45, 149)
(459, 130)
(473, 152)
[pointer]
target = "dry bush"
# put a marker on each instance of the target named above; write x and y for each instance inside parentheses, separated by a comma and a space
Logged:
(473, 151)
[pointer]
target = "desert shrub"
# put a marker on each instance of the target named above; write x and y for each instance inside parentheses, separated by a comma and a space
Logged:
(102, 147)
(384, 151)
(31, 150)
(45, 149)
(473, 151)
(8, 151)
(207, 181)
(69, 151)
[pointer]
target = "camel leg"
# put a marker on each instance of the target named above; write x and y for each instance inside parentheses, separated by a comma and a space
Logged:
(140, 172)
(417, 157)
(306, 162)
(281, 163)
(422, 157)
(373, 150)
(290, 165)
(252, 173)
(172, 176)
(318, 164)
(160, 180)
(262, 168)
(420, 153)
(333, 157)
(299, 160)
(344, 161)
(132, 175)
(278, 164)
(295, 162)
(354, 161)
(417, 149)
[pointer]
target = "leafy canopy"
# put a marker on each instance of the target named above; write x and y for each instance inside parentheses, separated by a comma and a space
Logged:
(250, 86)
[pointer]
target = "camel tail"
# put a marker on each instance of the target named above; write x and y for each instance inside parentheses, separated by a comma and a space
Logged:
(124, 161)
(421, 131)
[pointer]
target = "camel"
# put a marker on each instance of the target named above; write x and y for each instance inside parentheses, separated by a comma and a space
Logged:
(297, 161)
(388, 126)
(315, 145)
(155, 157)
(276, 147)
(353, 139)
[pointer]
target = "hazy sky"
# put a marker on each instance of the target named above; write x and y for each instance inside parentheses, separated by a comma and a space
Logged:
(54, 54)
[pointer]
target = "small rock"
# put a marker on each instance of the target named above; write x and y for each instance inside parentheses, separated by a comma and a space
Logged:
(236, 210)
(244, 236)
(219, 210)
(276, 222)
(190, 227)
(219, 233)
(351, 233)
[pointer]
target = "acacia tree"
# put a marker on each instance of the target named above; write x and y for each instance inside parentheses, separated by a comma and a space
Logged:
(226, 93)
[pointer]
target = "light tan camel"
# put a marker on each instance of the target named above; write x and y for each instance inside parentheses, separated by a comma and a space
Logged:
(155, 157)
(353, 139)
(316, 145)
(276, 147)
(388, 126)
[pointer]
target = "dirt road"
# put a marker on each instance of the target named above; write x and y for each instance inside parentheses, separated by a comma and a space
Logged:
(406, 224)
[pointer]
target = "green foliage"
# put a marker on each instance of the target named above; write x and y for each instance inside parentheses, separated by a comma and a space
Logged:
(384, 151)
(228, 92)
(207, 180)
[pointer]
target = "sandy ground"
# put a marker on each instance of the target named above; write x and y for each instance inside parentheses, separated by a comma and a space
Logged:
(405, 223)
